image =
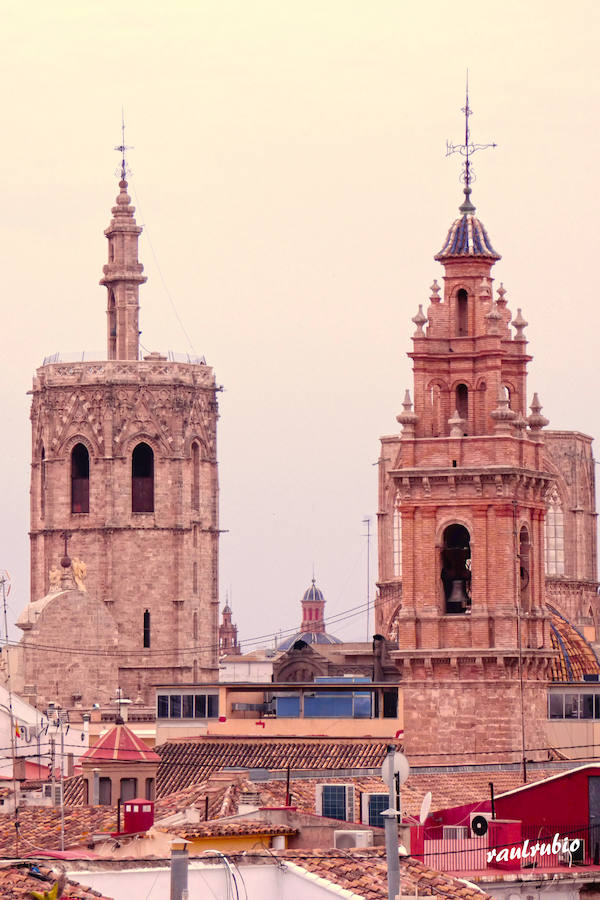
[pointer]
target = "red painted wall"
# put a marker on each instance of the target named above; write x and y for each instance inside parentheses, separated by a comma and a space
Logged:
(562, 802)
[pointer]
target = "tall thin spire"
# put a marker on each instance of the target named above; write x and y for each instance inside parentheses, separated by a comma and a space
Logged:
(466, 150)
(123, 272)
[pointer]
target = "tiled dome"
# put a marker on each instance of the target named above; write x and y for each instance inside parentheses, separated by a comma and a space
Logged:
(467, 237)
(313, 594)
(576, 657)
(309, 637)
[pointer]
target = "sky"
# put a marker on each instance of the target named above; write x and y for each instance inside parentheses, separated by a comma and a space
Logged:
(289, 170)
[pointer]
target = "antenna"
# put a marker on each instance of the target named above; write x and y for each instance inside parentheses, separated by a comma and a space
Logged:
(466, 150)
(5, 582)
(122, 148)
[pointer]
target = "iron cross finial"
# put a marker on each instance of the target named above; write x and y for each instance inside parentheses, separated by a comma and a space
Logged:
(466, 150)
(122, 149)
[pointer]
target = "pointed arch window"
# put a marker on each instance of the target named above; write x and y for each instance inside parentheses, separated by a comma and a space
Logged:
(195, 476)
(142, 479)
(397, 539)
(555, 540)
(80, 479)
(146, 628)
(43, 483)
(112, 324)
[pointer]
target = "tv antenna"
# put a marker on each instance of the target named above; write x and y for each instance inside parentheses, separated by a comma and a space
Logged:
(467, 150)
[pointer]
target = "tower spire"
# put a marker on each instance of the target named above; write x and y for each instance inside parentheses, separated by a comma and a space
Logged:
(123, 272)
(466, 150)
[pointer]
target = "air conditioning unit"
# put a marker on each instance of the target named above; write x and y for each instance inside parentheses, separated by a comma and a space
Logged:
(346, 840)
(577, 856)
(455, 832)
(478, 823)
(55, 796)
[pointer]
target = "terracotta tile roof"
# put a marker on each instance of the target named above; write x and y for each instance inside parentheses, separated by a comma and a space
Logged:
(120, 744)
(224, 829)
(19, 881)
(39, 827)
(364, 872)
(189, 761)
(576, 656)
(304, 791)
(222, 799)
(457, 788)
(73, 790)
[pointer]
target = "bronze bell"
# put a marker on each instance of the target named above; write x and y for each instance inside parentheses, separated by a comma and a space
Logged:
(458, 594)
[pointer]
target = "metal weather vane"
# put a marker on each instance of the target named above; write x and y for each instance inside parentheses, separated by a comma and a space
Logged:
(124, 169)
(467, 150)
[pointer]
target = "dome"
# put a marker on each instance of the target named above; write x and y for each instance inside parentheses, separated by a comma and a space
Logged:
(309, 637)
(576, 656)
(313, 594)
(467, 237)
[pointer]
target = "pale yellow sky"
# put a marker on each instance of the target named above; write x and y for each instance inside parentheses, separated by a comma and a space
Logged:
(289, 170)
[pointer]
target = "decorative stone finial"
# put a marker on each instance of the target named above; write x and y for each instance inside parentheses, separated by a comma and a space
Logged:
(519, 324)
(493, 319)
(536, 420)
(419, 321)
(435, 292)
(520, 424)
(407, 418)
(503, 415)
(501, 295)
(457, 425)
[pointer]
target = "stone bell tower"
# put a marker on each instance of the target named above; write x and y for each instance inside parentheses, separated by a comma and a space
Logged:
(124, 460)
(462, 502)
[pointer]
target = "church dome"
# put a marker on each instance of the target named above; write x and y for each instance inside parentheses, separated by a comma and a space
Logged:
(467, 237)
(309, 637)
(313, 594)
(576, 656)
(312, 627)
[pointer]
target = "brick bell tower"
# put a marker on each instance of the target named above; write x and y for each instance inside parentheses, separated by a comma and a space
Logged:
(124, 461)
(461, 518)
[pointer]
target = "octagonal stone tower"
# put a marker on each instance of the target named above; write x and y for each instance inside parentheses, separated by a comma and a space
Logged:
(124, 460)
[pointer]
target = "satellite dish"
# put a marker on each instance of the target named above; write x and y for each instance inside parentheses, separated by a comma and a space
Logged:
(479, 825)
(425, 807)
(392, 765)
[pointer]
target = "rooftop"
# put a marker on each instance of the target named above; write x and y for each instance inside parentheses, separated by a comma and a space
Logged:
(18, 881)
(120, 744)
(101, 356)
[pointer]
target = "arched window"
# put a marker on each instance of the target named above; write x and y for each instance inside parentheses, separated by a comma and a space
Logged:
(142, 479)
(80, 479)
(112, 323)
(555, 540)
(195, 476)
(397, 538)
(462, 401)
(43, 484)
(456, 569)
(195, 672)
(524, 567)
(195, 577)
(462, 313)
(146, 628)
(195, 625)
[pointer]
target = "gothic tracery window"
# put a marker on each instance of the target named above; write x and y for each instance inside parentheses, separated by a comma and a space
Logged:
(555, 541)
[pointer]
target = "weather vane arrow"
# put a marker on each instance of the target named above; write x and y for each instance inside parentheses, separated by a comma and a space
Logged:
(467, 150)
(122, 149)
